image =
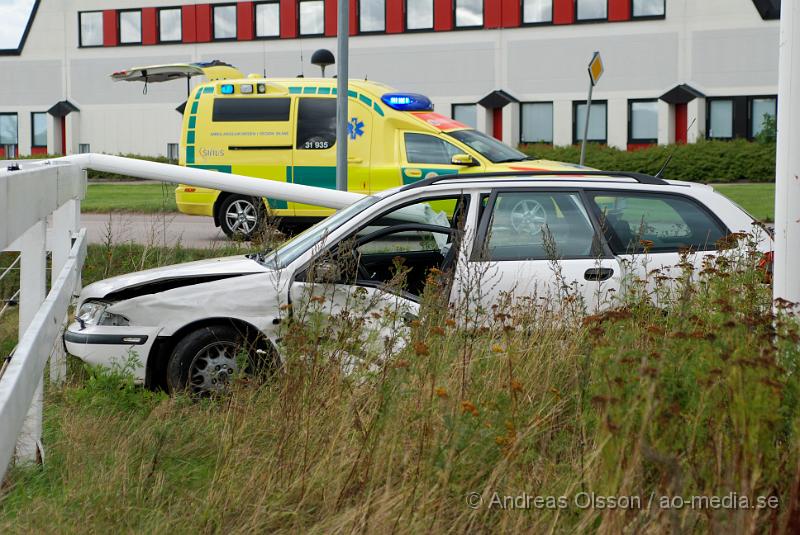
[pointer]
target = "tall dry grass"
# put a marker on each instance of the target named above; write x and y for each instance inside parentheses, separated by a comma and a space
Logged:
(695, 397)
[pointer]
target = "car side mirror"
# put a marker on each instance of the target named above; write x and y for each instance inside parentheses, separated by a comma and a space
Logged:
(327, 272)
(463, 159)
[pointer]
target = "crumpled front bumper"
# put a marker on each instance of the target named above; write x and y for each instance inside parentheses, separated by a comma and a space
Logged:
(124, 348)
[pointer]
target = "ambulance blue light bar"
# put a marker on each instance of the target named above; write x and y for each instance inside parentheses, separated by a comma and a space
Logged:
(407, 102)
(226, 89)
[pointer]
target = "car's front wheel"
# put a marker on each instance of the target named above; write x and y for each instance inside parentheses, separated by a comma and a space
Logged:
(241, 217)
(207, 359)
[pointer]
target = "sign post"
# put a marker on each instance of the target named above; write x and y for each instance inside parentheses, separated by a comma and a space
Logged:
(787, 169)
(342, 76)
(595, 72)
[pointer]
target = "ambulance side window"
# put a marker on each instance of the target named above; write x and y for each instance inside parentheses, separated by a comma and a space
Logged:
(316, 123)
(250, 109)
(422, 148)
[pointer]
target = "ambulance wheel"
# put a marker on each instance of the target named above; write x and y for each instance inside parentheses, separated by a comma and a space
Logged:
(241, 217)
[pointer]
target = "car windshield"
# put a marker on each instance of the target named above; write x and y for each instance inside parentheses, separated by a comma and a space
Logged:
(292, 249)
(489, 147)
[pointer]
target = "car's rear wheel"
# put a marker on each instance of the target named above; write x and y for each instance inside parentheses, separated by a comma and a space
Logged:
(206, 360)
(241, 217)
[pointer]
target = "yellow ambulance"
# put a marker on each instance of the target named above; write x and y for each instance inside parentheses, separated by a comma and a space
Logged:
(284, 129)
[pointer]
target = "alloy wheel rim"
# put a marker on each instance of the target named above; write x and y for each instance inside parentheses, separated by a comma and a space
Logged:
(213, 366)
(241, 216)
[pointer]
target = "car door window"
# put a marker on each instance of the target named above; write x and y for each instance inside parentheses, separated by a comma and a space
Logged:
(659, 223)
(403, 256)
(418, 236)
(538, 225)
(425, 149)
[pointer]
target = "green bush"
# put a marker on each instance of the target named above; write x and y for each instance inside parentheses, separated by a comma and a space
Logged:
(704, 161)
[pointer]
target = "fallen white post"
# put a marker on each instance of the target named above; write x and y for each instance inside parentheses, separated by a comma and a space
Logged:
(203, 178)
(787, 170)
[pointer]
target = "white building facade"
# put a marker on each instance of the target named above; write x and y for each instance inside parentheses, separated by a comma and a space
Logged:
(675, 70)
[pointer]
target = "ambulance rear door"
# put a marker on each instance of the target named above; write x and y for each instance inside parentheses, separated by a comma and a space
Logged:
(315, 145)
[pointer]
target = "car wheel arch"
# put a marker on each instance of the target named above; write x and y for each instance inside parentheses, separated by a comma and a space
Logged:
(156, 366)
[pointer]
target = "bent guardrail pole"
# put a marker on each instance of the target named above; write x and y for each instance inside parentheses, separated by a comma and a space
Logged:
(203, 178)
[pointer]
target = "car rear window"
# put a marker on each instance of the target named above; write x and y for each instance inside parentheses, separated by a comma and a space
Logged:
(251, 109)
(659, 223)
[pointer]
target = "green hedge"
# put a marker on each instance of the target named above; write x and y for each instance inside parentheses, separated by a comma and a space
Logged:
(704, 161)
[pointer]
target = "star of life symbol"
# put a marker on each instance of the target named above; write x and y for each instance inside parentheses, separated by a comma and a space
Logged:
(355, 128)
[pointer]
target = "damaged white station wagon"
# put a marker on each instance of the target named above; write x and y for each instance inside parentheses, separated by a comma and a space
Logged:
(185, 323)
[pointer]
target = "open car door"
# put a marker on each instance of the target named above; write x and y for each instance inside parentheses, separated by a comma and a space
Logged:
(212, 70)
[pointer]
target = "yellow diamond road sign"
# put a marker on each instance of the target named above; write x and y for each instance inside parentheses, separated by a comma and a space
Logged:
(596, 68)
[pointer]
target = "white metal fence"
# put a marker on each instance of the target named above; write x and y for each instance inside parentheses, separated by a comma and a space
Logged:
(28, 198)
(55, 187)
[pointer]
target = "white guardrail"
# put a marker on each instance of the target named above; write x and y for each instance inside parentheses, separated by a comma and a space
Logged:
(28, 197)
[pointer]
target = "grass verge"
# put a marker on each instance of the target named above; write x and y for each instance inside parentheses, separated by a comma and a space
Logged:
(757, 199)
(696, 397)
(147, 198)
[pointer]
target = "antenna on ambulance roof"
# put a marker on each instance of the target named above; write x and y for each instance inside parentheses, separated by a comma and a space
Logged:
(302, 73)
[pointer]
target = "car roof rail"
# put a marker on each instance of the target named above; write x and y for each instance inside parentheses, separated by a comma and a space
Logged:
(641, 178)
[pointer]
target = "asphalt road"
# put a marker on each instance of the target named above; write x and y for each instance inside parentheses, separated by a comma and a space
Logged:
(160, 230)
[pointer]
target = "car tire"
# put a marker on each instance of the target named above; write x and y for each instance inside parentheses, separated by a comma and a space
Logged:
(207, 359)
(241, 217)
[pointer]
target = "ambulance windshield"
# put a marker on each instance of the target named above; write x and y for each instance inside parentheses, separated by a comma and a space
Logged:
(489, 147)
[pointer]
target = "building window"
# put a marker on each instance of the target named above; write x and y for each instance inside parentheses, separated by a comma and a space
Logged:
(597, 121)
(130, 27)
(642, 121)
(170, 25)
(312, 17)
(91, 25)
(419, 14)
(761, 110)
(592, 9)
(469, 13)
(720, 118)
(268, 20)
(466, 113)
(8, 129)
(84, 148)
(39, 129)
(537, 11)
(536, 125)
(173, 152)
(371, 16)
(224, 22)
(648, 8)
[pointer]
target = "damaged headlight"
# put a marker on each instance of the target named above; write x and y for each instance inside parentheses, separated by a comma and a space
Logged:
(95, 313)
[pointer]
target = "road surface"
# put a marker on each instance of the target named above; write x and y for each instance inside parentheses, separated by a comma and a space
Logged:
(158, 230)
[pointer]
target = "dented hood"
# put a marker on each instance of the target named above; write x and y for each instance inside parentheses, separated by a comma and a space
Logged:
(170, 277)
